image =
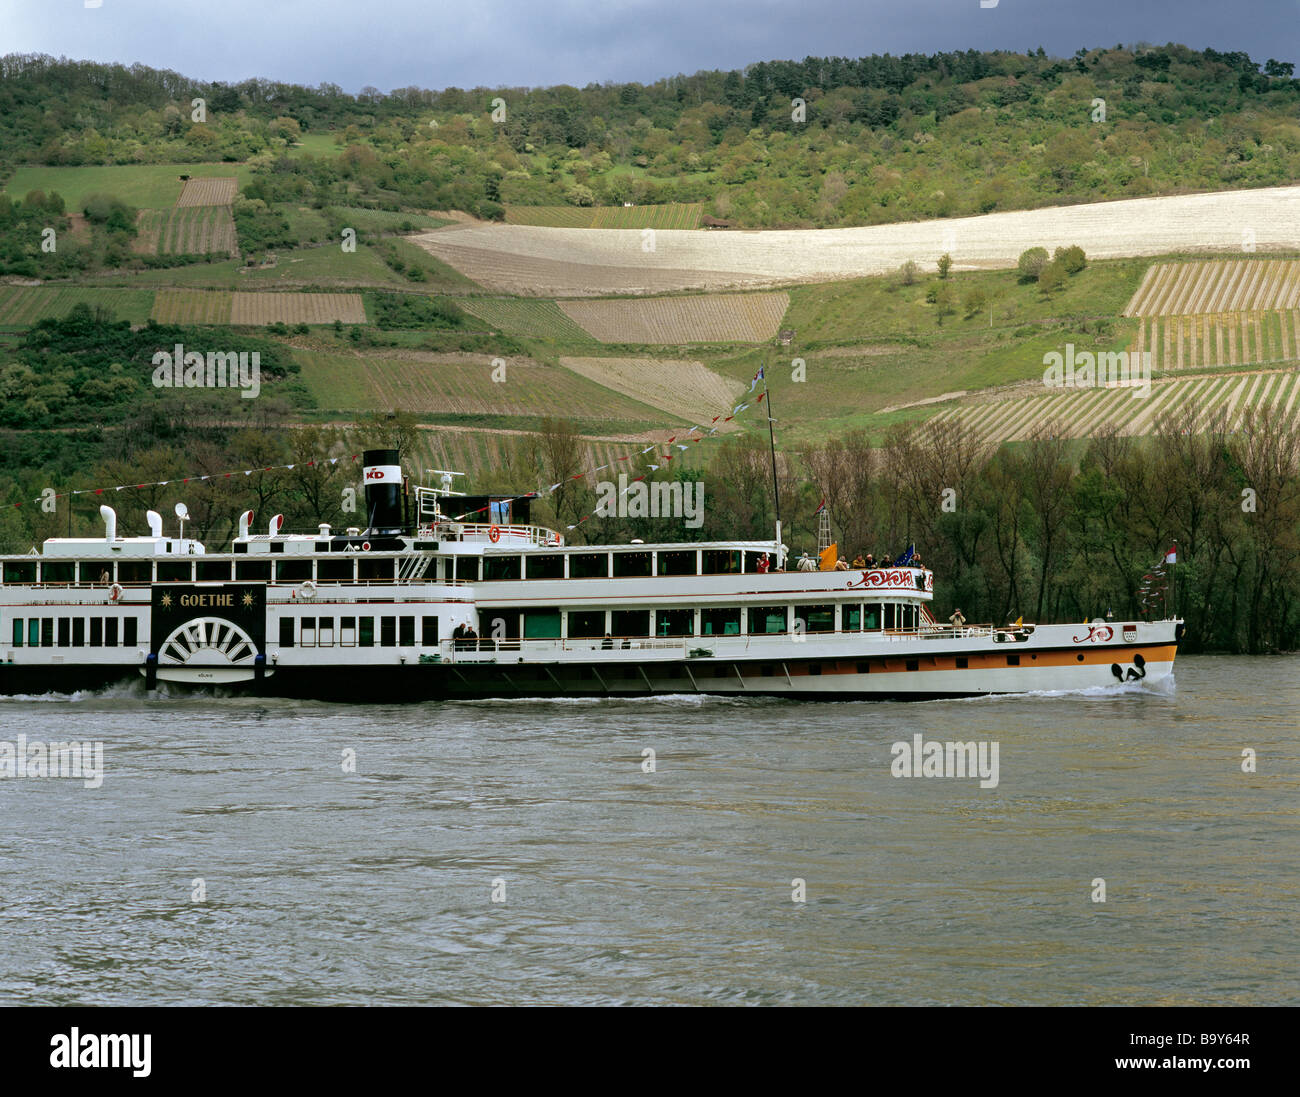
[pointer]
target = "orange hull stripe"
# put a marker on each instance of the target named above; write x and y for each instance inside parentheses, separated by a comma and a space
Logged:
(1163, 653)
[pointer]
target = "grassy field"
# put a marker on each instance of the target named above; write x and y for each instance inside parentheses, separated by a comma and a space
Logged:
(378, 220)
(434, 384)
(1234, 339)
(711, 318)
(22, 306)
(144, 186)
(670, 215)
(316, 144)
(527, 317)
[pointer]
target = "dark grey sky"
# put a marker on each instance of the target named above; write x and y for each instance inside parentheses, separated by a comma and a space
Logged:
(492, 43)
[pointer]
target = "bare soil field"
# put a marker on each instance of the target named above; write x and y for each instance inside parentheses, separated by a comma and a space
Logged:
(554, 262)
(1181, 289)
(733, 318)
(215, 191)
(297, 308)
(686, 389)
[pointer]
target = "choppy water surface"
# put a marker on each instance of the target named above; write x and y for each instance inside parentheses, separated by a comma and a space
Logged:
(623, 886)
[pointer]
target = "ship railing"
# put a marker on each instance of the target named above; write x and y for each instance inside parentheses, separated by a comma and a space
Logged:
(481, 532)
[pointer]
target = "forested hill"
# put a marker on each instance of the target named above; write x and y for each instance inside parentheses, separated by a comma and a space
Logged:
(927, 135)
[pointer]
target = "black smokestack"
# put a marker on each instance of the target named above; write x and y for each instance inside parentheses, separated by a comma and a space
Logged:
(382, 477)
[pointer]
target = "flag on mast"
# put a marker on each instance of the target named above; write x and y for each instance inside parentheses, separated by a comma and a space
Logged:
(820, 506)
(757, 378)
(1171, 557)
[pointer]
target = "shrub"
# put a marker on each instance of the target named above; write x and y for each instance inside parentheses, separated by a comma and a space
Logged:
(974, 302)
(1071, 259)
(945, 265)
(907, 273)
(1031, 264)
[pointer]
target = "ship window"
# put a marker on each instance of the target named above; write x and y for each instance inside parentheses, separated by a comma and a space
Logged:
(890, 616)
(767, 620)
(292, 571)
(864, 667)
(720, 622)
(134, 571)
(348, 632)
(63, 633)
(962, 662)
(871, 617)
(678, 563)
(47, 632)
(367, 632)
(174, 571)
(322, 546)
(542, 624)
(325, 632)
(550, 566)
(110, 632)
(814, 668)
(1013, 660)
(307, 637)
(589, 565)
(78, 632)
(20, 572)
(57, 573)
(429, 631)
(502, 625)
(631, 565)
(675, 622)
(587, 623)
(466, 569)
(912, 664)
(240, 548)
(630, 622)
(18, 632)
(277, 546)
(768, 671)
(214, 571)
(852, 618)
(334, 571)
(370, 568)
(752, 559)
(286, 632)
(388, 632)
(815, 618)
(407, 632)
(129, 629)
(101, 573)
(253, 570)
(496, 568)
(721, 561)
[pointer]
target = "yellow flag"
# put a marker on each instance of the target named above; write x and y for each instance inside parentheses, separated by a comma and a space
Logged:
(829, 555)
(1020, 620)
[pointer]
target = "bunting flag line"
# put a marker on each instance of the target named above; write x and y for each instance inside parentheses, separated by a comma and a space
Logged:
(186, 479)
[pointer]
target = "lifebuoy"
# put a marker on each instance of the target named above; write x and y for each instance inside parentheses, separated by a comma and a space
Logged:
(365, 546)
(308, 589)
(114, 592)
(494, 534)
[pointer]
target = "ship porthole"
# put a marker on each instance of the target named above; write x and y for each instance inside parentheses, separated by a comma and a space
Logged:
(1079, 657)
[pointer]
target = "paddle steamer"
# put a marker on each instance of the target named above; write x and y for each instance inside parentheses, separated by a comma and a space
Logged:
(384, 612)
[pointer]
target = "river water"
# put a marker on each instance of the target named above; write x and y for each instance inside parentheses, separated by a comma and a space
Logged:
(519, 852)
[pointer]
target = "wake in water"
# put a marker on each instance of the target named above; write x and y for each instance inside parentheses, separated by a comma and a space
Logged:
(1160, 687)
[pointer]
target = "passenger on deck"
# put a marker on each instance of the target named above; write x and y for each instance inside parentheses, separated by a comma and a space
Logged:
(886, 561)
(841, 564)
(807, 563)
(871, 562)
(764, 564)
(859, 563)
(607, 643)
(958, 621)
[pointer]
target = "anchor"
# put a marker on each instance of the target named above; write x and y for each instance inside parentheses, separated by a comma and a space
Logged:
(1135, 673)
